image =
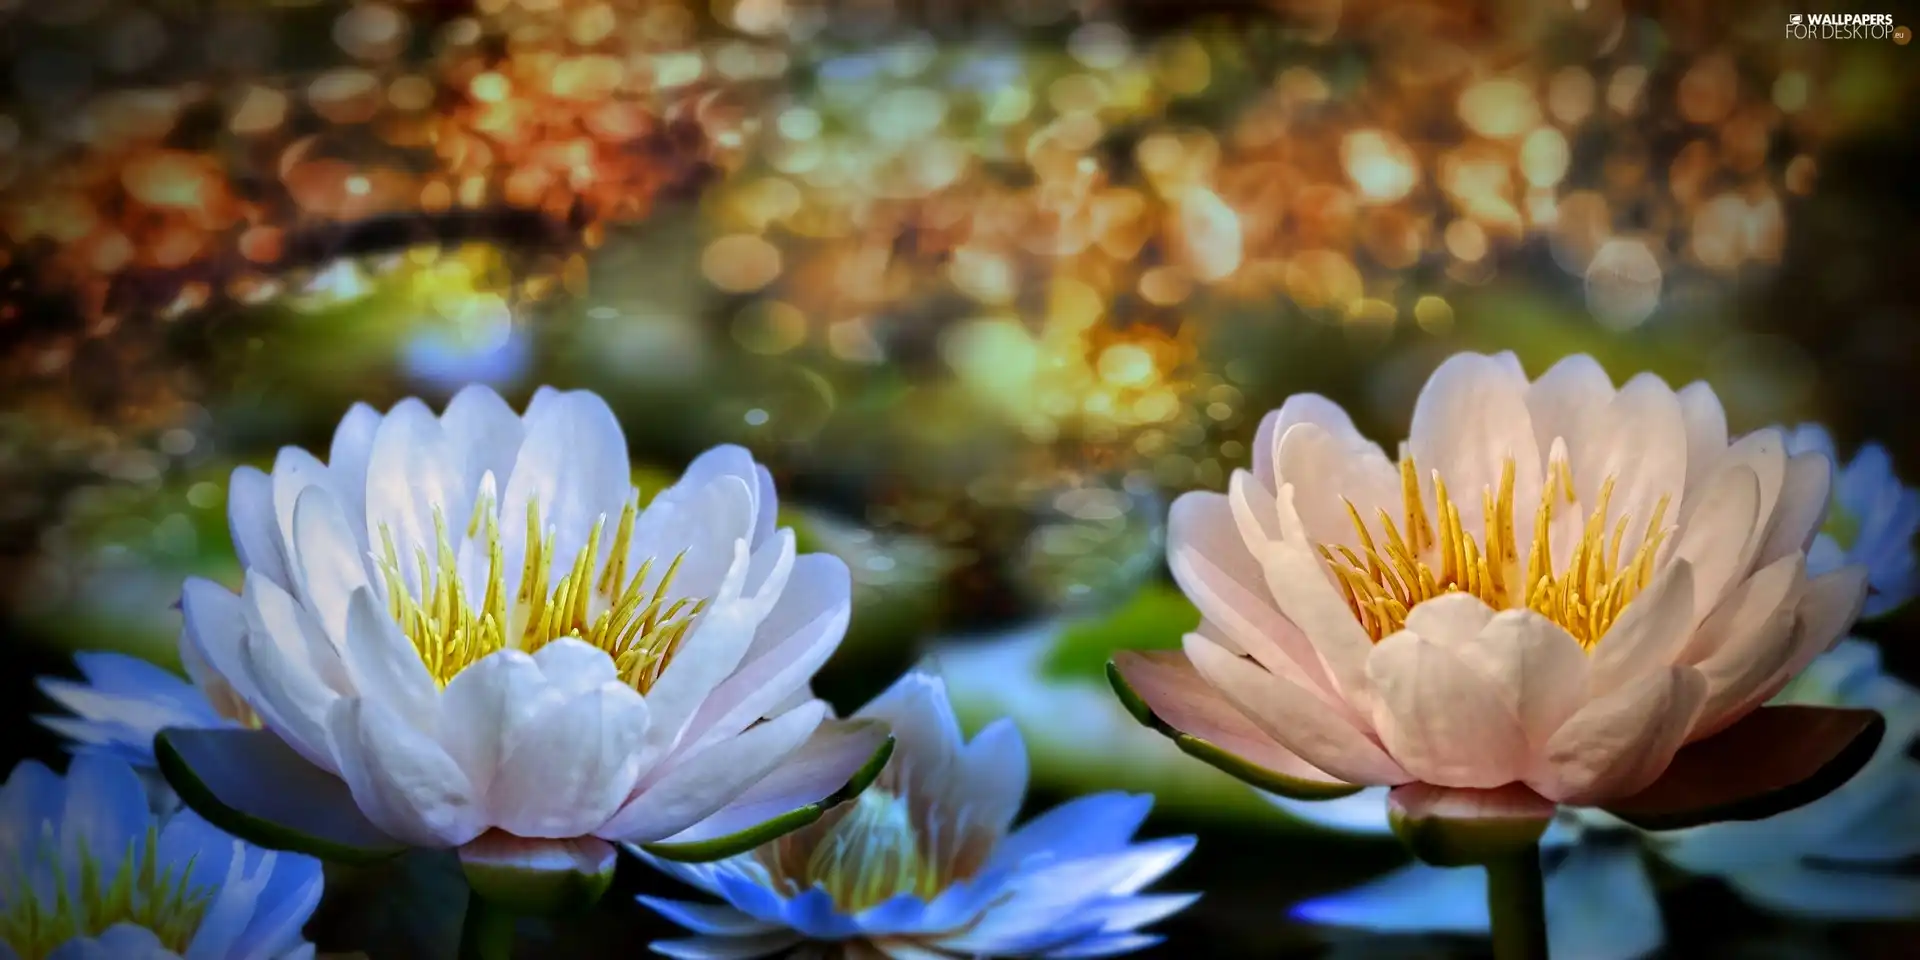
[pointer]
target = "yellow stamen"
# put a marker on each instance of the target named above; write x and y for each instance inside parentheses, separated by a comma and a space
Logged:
(1395, 572)
(628, 617)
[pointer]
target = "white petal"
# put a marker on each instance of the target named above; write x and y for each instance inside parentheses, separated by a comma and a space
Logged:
(1211, 563)
(993, 777)
(1640, 443)
(1568, 397)
(1706, 424)
(1326, 476)
(699, 785)
(484, 432)
(1749, 638)
(277, 661)
(401, 779)
(1621, 742)
(385, 665)
(254, 526)
(1829, 604)
(483, 708)
(1443, 721)
(729, 460)
(702, 528)
(1804, 497)
(1713, 538)
(1301, 408)
(294, 470)
(1294, 717)
(819, 768)
(710, 653)
(1449, 620)
(1539, 669)
(347, 461)
(326, 563)
(1306, 597)
(1649, 633)
(798, 636)
(414, 488)
(573, 469)
(214, 623)
(573, 666)
(1470, 418)
(570, 767)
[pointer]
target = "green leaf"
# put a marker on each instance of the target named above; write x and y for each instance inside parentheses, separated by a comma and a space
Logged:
(1156, 618)
(252, 785)
(720, 848)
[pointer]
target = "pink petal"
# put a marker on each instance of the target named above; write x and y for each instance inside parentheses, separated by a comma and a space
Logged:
(1443, 721)
(1294, 718)
(1617, 743)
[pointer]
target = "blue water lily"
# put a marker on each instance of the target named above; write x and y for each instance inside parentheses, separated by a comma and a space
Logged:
(91, 874)
(927, 863)
(122, 701)
(1871, 521)
(1828, 860)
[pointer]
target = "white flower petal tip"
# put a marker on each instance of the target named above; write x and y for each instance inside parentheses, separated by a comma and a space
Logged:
(1455, 827)
(1165, 694)
(252, 785)
(533, 877)
(1773, 760)
(782, 798)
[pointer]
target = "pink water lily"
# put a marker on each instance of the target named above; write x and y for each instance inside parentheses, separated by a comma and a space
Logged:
(1559, 592)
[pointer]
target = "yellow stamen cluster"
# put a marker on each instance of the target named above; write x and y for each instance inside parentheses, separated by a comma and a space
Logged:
(1381, 583)
(138, 893)
(602, 605)
(872, 855)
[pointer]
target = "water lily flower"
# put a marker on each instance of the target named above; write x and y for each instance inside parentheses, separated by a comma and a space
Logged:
(1828, 860)
(1871, 521)
(89, 873)
(464, 632)
(926, 864)
(121, 702)
(1563, 592)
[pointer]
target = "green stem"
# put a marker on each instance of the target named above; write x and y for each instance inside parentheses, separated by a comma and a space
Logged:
(1517, 904)
(487, 931)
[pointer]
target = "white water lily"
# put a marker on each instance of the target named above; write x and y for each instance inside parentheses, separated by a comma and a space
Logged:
(474, 636)
(1557, 586)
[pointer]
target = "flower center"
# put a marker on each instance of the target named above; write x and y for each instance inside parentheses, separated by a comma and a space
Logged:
(1842, 526)
(872, 855)
(1425, 558)
(88, 904)
(453, 626)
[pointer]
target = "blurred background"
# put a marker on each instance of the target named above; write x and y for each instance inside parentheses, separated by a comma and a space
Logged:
(985, 283)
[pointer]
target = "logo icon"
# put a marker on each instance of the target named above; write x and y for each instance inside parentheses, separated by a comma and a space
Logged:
(1796, 19)
(1901, 35)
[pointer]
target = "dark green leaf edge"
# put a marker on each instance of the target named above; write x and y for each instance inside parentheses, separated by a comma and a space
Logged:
(720, 848)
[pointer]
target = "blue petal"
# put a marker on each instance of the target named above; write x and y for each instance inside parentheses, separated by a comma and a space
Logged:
(1105, 945)
(1131, 913)
(725, 948)
(225, 921)
(707, 918)
(188, 842)
(31, 804)
(122, 941)
(293, 890)
(120, 675)
(1832, 894)
(125, 703)
(1084, 827)
(751, 897)
(106, 812)
(1046, 907)
(1887, 831)
(959, 904)
(901, 913)
(814, 913)
(1414, 899)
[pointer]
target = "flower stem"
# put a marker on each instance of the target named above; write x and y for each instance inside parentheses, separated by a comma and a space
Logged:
(487, 931)
(1516, 902)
